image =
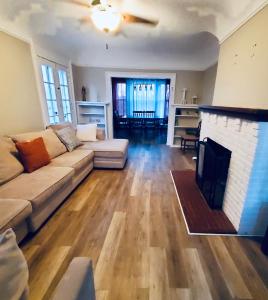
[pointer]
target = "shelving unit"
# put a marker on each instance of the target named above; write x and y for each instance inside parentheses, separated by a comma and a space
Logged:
(186, 120)
(89, 112)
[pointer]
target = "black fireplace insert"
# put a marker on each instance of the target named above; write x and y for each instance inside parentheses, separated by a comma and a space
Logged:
(212, 170)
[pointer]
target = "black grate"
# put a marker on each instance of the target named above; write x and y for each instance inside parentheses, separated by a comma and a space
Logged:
(212, 170)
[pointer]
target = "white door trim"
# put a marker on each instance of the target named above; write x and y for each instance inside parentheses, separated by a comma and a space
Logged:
(56, 67)
(109, 95)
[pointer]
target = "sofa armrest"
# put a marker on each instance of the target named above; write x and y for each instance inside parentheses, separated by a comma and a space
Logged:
(78, 282)
(100, 134)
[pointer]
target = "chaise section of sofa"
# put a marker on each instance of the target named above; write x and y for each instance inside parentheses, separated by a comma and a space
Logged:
(14, 214)
(109, 154)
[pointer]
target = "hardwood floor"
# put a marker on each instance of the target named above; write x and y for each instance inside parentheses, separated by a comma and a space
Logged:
(130, 224)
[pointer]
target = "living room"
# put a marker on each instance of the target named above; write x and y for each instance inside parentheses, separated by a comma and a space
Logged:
(133, 149)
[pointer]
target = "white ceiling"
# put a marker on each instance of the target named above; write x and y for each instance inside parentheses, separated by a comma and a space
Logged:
(186, 37)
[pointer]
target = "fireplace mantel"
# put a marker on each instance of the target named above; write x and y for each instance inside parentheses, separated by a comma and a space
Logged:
(259, 115)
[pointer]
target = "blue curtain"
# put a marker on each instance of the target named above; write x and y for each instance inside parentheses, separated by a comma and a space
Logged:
(146, 95)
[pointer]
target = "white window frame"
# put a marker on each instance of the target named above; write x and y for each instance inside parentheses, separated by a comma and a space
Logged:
(56, 67)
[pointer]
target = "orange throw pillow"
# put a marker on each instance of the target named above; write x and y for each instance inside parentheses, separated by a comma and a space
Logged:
(33, 154)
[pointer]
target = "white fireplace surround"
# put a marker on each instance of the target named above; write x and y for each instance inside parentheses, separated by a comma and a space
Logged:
(240, 136)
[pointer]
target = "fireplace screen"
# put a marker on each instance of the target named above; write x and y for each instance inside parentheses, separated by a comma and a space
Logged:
(212, 170)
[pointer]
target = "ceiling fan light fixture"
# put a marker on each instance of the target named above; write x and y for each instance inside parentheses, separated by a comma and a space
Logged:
(106, 18)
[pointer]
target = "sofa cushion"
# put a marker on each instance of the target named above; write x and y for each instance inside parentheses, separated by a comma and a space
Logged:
(76, 159)
(8, 144)
(37, 187)
(115, 148)
(10, 167)
(87, 132)
(60, 126)
(68, 138)
(14, 272)
(100, 131)
(33, 154)
(101, 134)
(13, 212)
(54, 146)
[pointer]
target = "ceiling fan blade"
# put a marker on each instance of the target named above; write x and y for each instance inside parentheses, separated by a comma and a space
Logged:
(134, 19)
(95, 2)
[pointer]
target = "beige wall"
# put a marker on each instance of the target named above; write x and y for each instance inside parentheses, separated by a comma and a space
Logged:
(94, 79)
(20, 107)
(209, 84)
(242, 77)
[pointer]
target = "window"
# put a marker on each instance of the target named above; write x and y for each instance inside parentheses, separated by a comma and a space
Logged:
(121, 99)
(148, 95)
(140, 95)
(50, 93)
(64, 89)
(56, 92)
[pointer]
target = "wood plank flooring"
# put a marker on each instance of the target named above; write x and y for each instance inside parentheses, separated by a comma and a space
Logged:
(129, 222)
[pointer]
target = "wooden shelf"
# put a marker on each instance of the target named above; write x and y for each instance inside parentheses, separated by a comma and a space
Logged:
(92, 114)
(184, 127)
(186, 106)
(259, 115)
(91, 103)
(89, 112)
(187, 116)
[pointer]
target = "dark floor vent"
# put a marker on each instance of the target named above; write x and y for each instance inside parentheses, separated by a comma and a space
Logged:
(212, 170)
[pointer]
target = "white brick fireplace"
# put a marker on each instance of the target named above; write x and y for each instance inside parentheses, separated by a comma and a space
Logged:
(246, 194)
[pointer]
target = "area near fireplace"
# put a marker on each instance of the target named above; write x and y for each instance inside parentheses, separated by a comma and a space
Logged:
(245, 133)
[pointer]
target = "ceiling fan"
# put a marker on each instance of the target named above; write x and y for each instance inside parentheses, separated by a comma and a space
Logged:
(107, 18)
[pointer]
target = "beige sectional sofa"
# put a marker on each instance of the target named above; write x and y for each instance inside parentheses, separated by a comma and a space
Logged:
(29, 199)
(13, 214)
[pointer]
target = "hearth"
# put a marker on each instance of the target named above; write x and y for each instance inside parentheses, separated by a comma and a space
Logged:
(212, 170)
(244, 132)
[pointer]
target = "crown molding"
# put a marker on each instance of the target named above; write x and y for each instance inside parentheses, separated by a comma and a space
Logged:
(242, 23)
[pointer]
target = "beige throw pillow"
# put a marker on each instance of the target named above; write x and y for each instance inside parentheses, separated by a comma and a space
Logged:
(87, 132)
(10, 167)
(14, 272)
(53, 145)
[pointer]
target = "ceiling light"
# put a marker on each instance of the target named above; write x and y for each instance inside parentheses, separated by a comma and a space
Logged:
(106, 18)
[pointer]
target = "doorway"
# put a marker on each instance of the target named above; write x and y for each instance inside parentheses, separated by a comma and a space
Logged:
(141, 109)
